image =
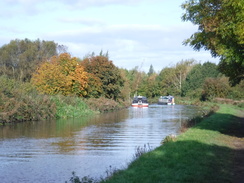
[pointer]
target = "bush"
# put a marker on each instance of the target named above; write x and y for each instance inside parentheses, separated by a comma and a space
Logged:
(102, 104)
(20, 102)
(21, 107)
(215, 87)
(236, 92)
(195, 94)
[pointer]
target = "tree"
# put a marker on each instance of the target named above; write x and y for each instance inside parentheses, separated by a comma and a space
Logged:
(19, 58)
(221, 30)
(152, 88)
(151, 70)
(108, 74)
(61, 75)
(171, 78)
(126, 89)
(166, 81)
(194, 81)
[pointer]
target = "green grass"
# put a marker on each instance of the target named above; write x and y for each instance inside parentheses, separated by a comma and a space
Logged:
(67, 107)
(202, 154)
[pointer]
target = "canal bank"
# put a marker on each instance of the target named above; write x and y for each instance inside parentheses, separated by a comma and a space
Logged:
(211, 151)
(49, 151)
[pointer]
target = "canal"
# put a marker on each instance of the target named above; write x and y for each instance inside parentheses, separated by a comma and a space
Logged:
(50, 151)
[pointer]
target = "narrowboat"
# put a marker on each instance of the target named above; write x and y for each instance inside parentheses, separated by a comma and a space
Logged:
(140, 101)
(166, 100)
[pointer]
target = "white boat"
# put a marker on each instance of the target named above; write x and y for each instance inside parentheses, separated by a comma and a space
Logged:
(140, 101)
(166, 100)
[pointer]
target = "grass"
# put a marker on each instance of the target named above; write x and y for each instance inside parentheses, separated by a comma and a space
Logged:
(67, 107)
(204, 153)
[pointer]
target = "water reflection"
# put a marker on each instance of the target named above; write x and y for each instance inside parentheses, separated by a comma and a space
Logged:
(51, 150)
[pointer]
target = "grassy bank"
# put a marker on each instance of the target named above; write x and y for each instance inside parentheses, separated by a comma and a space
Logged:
(204, 153)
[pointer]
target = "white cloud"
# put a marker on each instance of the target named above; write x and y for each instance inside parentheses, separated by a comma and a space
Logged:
(133, 45)
(133, 31)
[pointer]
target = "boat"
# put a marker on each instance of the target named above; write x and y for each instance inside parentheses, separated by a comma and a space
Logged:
(140, 101)
(166, 100)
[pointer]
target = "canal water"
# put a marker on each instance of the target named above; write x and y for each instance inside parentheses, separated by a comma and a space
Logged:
(50, 151)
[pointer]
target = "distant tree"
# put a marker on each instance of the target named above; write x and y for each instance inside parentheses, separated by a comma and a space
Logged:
(135, 77)
(221, 30)
(171, 78)
(151, 71)
(61, 75)
(143, 86)
(107, 72)
(196, 77)
(152, 88)
(167, 82)
(126, 89)
(103, 54)
(20, 58)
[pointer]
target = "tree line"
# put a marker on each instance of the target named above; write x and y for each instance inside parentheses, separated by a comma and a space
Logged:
(51, 70)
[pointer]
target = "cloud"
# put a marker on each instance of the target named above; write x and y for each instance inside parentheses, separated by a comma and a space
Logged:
(132, 45)
(135, 37)
(34, 7)
(11, 8)
(87, 21)
(74, 4)
(130, 34)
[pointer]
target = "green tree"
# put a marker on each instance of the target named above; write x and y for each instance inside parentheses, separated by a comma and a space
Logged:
(166, 81)
(152, 88)
(171, 78)
(107, 72)
(192, 86)
(221, 30)
(151, 71)
(20, 58)
(126, 89)
(135, 77)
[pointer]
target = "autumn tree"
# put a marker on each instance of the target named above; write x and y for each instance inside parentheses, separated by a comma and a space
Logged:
(61, 75)
(221, 31)
(108, 74)
(19, 58)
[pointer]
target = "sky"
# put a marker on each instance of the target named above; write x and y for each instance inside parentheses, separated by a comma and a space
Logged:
(135, 33)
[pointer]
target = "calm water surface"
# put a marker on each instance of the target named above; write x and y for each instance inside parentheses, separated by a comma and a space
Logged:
(49, 151)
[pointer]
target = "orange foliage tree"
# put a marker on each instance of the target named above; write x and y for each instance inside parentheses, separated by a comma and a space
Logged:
(61, 75)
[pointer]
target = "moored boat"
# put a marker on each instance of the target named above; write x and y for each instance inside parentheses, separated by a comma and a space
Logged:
(166, 100)
(140, 101)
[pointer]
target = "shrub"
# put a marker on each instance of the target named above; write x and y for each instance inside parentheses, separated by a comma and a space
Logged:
(20, 102)
(236, 92)
(215, 87)
(102, 104)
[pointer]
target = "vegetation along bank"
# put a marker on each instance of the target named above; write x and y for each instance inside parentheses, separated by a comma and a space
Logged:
(39, 83)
